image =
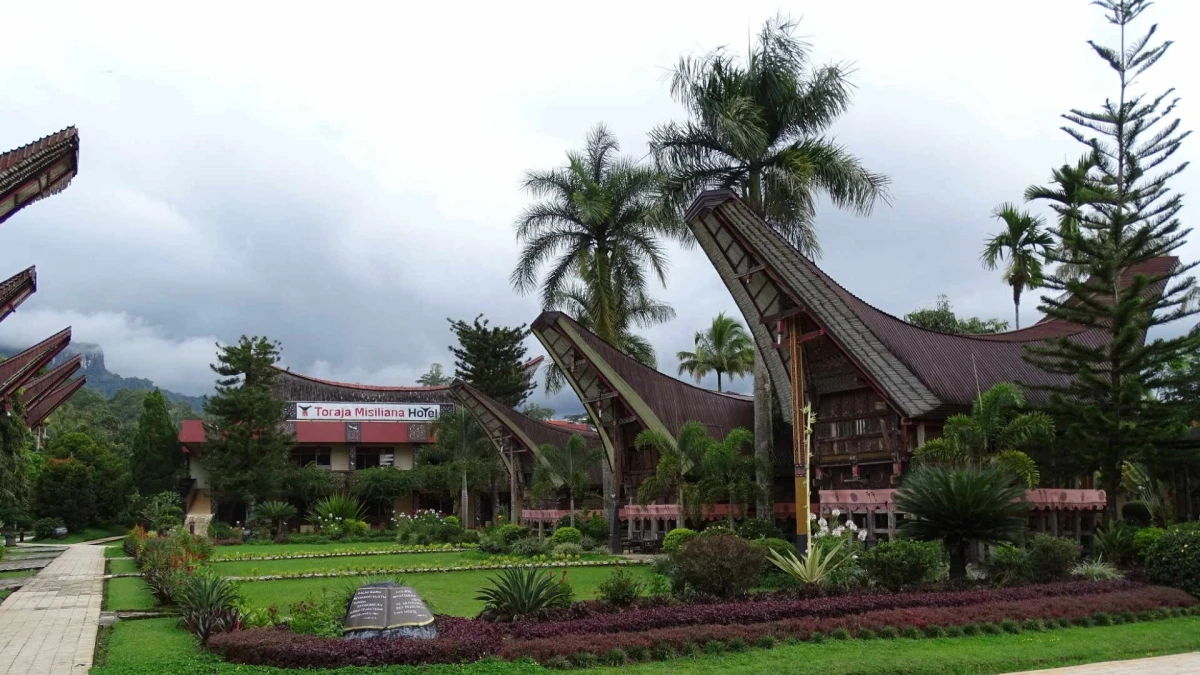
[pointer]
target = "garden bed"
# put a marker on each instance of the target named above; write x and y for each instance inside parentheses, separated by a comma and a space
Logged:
(665, 632)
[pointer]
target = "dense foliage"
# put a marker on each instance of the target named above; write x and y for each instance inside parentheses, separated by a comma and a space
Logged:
(941, 318)
(523, 592)
(902, 562)
(725, 347)
(1175, 560)
(720, 566)
(155, 458)
(492, 359)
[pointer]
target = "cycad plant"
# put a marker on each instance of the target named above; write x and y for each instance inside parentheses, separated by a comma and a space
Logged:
(277, 513)
(568, 468)
(992, 435)
(680, 462)
(521, 592)
(961, 506)
(723, 348)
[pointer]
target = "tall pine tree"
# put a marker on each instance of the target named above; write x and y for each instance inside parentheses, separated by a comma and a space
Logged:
(157, 460)
(492, 359)
(246, 453)
(1109, 399)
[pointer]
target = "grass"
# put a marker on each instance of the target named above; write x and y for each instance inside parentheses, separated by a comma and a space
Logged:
(89, 533)
(129, 593)
(450, 593)
(121, 566)
(114, 552)
(16, 574)
(287, 549)
(4, 593)
(156, 646)
(254, 568)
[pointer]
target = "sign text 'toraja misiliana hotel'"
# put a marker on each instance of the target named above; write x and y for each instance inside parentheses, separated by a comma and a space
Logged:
(366, 412)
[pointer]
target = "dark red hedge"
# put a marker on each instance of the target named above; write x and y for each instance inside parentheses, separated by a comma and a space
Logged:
(775, 610)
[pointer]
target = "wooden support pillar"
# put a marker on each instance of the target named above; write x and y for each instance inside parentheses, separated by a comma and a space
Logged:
(1054, 522)
(891, 525)
(799, 435)
(654, 528)
(1078, 517)
(871, 524)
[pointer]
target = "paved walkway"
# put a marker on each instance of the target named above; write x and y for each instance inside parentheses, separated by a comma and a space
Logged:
(49, 626)
(1179, 664)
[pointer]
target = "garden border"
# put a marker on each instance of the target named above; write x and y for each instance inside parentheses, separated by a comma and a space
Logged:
(418, 570)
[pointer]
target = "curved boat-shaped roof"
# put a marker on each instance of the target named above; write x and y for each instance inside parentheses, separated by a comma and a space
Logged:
(39, 387)
(51, 401)
(922, 372)
(601, 374)
(16, 289)
(18, 369)
(38, 170)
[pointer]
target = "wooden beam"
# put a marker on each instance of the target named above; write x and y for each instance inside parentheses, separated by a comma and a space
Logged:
(780, 315)
(744, 276)
(601, 397)
(808, 337)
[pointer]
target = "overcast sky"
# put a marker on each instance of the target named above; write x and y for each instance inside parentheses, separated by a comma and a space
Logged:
(343, 181)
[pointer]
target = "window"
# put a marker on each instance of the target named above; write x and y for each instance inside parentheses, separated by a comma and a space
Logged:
(308, 455)
(371, 457)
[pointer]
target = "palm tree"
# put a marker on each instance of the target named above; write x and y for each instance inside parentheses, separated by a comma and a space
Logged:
(961, 506)
(679, 461)
(1073, 187)
(567, 466)
(759, 126)
(993, 434)
(1024, 243)
(729, 473)
(460, 460)
(725, 347)
(276, 513)
(598, 226)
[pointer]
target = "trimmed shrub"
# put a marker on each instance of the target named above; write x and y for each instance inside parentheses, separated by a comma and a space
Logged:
(44, 528)
(567, 535)
(530, 547)
(509, 534)
(755, 528)
(781, 546)
(903, 562)
(567, 551)
(522, 592)
(676, 538)
(1175, 560)
(720, 565)
(1052, 557)
(1144, 539)
(1009, 565)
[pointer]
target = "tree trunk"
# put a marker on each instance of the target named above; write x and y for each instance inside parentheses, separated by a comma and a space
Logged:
(1110, 496)
(682, 511)
(465, 499)
(764, 472)
(1017, 306)
(718, 380)
(958, 560)
(571, 501)
(495, 500)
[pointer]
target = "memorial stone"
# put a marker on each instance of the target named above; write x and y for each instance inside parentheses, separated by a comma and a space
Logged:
(388, 610)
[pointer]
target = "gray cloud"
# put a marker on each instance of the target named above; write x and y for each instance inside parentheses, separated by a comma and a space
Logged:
(345, 183)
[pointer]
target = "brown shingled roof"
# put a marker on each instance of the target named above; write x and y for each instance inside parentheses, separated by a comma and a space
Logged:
(15, 289)
(540, 432)
(38, 170)
(923, 372)
(48, 404)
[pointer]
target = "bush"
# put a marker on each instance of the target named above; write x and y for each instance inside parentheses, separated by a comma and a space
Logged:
(207, 605)
(1052, 557)
(1115, 542)
(167, 561)
(218, 530)
(620, 589)
(589, 524)
(133, 541)
(1137, 513)
(903, 562)
(427, 527)
(755, 528)
(588, 544)
(567, 535)
(676, 538)
(356, 528)
(1144, 538)
(720, 565)
(530, 547)
(1009, 565)
(1097, 570)
(523, 592)
(509, 534)
(318, 615)
(780, 546)
(334, 514)
(470, 537)
(1175, 560)
(44, 528)
(567, 551)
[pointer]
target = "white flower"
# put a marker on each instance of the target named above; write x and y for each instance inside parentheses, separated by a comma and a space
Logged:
(823, 523)
(812, 516)
(836, 512)
(851, 526)
(837, 531)
(862, 535)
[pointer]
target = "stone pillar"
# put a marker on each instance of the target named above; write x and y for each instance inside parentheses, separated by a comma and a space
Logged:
(654, 528)
(891, 524)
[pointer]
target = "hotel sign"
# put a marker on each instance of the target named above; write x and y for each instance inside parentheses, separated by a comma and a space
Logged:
(366, 412)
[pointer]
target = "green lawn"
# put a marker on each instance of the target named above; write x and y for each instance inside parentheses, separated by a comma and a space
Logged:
(90, 533)
(121, 566)
(450, 593)
(127, 594)
(156, 646)
(4, 593)
(114, 552)
(255, 568)
(18, 573)
(288, 549)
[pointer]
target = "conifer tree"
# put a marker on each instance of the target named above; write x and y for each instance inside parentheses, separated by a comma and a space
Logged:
(492, 359)
(246, 453)
(157, 460)
(1107, 397)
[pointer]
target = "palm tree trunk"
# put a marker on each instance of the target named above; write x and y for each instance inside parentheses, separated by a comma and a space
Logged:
(762, 436)
(1017, 306)
(682, 511)
(465, 501)
(571, 501)
(958, 560)
(718, 380)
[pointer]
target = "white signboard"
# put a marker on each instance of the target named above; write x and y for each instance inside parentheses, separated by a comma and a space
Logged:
(366, 412)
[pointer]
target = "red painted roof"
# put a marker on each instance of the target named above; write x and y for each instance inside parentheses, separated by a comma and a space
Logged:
(191, 431)
(49, 403)
(15, 289)
(573, 426)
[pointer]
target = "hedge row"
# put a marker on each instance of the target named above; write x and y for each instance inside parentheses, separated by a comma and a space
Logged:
(471, 639)
(913, 622)
(760, 611)
(372, 571)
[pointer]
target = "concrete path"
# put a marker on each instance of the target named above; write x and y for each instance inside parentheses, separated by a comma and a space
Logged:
(1179, 664)
(49, 626)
